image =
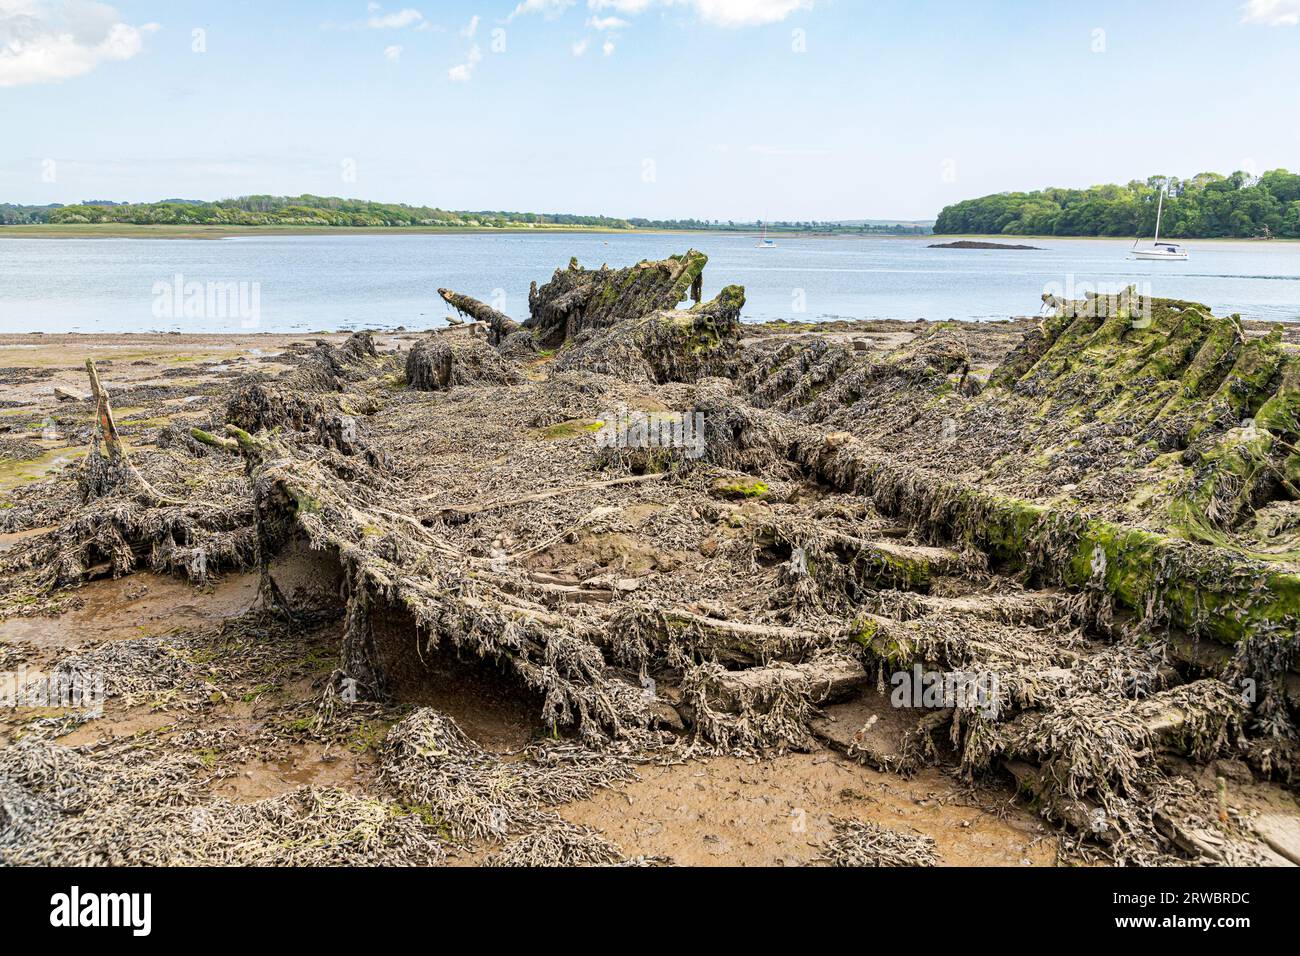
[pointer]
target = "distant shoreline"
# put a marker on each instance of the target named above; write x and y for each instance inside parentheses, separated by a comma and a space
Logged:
(169, 231)
(130, 231)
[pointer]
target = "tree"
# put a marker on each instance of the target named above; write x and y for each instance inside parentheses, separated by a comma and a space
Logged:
(1208, 205)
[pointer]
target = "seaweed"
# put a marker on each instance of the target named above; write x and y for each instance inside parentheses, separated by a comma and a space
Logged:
(1059, 522)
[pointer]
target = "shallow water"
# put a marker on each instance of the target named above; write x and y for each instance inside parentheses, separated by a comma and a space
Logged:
(310, 283)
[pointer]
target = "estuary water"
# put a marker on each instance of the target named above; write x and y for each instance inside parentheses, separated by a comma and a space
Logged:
(349, 281)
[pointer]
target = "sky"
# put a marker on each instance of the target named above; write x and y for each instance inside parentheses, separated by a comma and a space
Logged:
(711, 109)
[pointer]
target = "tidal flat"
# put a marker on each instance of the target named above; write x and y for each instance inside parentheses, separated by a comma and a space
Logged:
(927, 593)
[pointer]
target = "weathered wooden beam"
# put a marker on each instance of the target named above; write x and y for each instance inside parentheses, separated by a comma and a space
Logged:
(499, 324)
(1202, 589)
(104, 413)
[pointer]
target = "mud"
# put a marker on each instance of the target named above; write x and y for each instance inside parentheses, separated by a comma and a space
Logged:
(779, 812)
(144, 604)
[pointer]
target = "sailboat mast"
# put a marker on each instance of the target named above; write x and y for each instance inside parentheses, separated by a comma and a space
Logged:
(1160, 211)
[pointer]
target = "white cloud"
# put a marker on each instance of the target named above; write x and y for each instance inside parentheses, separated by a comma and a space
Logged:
(608, 48)
(1273, 13)
(549, 8)
(376, 19)
(629, 7)
(725, 13)
(606, 23)
(580, 48)
(747, 13)
(463, 72)
(392, 21)
(392, 53)
(45, 41)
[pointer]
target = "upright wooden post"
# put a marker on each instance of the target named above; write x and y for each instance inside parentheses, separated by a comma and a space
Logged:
(104, 412)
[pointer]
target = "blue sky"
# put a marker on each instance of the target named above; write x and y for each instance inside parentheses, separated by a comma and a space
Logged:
(727, 109)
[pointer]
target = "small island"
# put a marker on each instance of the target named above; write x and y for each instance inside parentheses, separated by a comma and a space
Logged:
(978, 244)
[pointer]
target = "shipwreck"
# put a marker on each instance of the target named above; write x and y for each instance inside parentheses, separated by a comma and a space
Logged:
(1103, 523)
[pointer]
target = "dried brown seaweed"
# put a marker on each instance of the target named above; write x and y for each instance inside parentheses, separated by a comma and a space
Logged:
(860, 843)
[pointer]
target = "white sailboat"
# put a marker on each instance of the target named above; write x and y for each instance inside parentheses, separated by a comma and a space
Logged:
(766, 243)
(1160, 250)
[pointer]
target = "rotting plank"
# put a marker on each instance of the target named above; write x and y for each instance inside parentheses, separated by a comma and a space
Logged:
(1203, 589)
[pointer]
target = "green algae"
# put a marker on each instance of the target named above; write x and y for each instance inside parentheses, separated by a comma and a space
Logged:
(566, 430)
(741, 488)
